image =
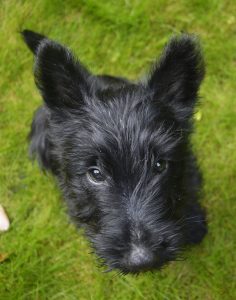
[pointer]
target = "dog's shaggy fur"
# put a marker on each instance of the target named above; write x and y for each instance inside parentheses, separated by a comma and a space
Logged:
(121, 153)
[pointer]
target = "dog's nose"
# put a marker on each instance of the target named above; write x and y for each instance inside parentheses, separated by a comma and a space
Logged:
(140, 258)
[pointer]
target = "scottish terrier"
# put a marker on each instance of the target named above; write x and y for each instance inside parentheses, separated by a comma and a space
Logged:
(121, 151)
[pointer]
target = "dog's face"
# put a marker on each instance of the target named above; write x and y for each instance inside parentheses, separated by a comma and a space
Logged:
(124, 163)
(121, 151)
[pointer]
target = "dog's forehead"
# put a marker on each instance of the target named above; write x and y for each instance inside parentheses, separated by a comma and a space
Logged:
(126, 106)
(129, 122)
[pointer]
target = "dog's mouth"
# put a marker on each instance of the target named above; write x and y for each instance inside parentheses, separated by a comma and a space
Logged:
(121, 253)
(125, 269)
(140, 261)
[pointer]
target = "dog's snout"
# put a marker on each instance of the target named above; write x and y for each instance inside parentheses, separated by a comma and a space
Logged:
(140, 258)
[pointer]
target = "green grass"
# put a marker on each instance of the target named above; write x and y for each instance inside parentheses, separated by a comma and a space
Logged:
(47, 258)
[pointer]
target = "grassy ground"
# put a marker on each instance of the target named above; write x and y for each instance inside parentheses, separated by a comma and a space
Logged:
(45, 257)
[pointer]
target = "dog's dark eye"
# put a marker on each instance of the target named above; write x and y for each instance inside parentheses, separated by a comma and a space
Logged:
(95, 175)
(161, 165)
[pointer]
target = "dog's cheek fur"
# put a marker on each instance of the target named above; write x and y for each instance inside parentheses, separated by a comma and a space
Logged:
(68, 166)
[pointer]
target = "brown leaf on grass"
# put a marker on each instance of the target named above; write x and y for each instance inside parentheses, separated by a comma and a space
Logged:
(3, 257)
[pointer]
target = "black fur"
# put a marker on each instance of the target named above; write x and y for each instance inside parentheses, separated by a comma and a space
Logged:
(121, 151)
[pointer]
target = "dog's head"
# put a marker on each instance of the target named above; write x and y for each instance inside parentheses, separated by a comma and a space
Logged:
(121, 149)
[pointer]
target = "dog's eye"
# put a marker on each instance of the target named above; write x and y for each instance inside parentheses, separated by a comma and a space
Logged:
(95, 175)
(161, 165)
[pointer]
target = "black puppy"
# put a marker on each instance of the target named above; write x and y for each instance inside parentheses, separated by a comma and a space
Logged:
(121, 152)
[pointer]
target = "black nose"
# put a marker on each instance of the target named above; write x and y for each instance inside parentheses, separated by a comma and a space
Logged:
(140, 258)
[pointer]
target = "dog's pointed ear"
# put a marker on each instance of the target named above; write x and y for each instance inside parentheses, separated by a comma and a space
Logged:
(61, 79)
(32, 39)
(176, 78)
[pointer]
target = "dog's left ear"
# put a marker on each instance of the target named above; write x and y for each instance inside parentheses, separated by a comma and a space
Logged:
(62, 80)
(32, 39)
(176, 78)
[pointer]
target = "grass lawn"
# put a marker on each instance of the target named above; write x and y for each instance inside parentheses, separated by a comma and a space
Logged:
(43, 256)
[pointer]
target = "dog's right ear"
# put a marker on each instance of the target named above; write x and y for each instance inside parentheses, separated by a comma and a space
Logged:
(32, 39)
(62, 80)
